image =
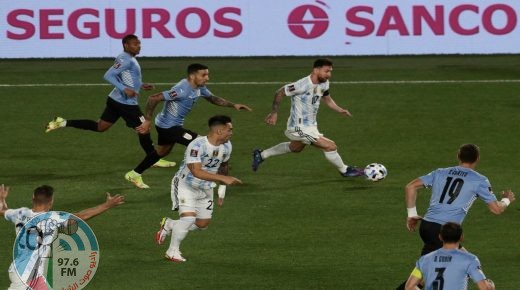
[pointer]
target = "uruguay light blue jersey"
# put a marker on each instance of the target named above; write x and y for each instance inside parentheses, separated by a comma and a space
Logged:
(454, 189)
(449, 269)
(210, 156)
(179, 101)
(305, 101)
(125, 73)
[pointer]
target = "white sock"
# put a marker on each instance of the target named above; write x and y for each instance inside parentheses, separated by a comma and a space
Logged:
(279, 149)
(179, 231)
(335, 159)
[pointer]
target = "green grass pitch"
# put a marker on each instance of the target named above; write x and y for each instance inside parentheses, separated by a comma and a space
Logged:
(296, 223)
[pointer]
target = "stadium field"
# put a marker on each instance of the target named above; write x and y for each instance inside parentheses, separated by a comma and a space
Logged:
(296, 223)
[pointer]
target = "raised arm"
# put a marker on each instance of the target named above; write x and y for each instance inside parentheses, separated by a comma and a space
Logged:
(498, 207)
(411, 197)
(110, 202)
(327, 99)
(4, 191)
(273, 116)
(151, 103)
(225, 103)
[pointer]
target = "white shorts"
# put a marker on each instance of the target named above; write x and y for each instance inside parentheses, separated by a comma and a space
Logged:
(306, 135)
(186, 198)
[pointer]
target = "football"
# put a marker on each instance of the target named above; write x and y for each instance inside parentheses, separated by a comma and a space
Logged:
(375, 171)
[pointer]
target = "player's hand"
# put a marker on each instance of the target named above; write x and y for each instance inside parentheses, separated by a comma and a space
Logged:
(345, 113)
(239, 107)
(144, 128)
(271, 118)
(4, 191)
(411, 223)
(220, 201)
(147, 87)
(230, 180)
(130, 93)
(114, 200)
(509, 194)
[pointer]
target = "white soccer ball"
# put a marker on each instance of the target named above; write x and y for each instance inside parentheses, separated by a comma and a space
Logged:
(375, 171)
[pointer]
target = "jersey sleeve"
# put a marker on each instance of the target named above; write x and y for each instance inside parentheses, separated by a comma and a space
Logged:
(171, 94)
(10, 215)
(205, 92)
(485, 192)
(475, 271)
(229, 148)
(194, 153)
(428, 179)
(296, 88)
(112, 75)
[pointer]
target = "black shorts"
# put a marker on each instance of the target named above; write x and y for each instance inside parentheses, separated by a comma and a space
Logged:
(429, 232)
(130, 113)
(175, 134)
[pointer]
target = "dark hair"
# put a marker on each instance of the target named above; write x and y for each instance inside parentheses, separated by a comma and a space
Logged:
(451, 232)
(195, 67)
(468, 153)
(322, 62)
(218, 120)
(43, 194)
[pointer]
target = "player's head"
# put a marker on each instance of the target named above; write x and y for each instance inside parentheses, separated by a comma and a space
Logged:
(220, 126)
(451, 233)
(43, 196)
(131, 44)
(322, 69)
(468, 153)
(198, 74)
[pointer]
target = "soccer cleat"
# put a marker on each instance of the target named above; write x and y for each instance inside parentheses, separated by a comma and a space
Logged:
(176, 257)
(57, 123)
(164, 163)
(162, 233)
(353, 172)
(136, 179)
(257, 159)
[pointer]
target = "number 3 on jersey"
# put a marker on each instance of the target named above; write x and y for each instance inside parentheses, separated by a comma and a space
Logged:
(452, 188)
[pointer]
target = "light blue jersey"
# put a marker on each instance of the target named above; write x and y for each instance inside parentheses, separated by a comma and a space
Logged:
(125, 73)
(305, 102)
(454, 190)
(210, 156)
(179, 101)
(449, 269)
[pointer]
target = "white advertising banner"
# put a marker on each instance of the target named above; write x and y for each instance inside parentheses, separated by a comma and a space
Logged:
(80, 28)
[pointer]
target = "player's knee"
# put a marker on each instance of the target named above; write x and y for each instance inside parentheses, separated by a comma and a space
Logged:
(296, 148)
(202, 224)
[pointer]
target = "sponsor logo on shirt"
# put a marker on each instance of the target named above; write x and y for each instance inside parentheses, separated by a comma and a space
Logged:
(117, 65)
(291, 88)
(194, 153)
(172, 94)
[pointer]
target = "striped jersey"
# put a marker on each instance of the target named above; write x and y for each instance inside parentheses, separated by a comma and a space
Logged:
(454, 189)
(179, 101)
(305, 101)
(125, 73)
(448, 269)
(210, 156)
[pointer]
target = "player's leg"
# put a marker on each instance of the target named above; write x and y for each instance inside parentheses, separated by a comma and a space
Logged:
(330, 151)
(149, 160)
(296, 145)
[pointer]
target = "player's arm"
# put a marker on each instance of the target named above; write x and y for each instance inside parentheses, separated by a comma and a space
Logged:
(111, 76)
(222, 170)
(110, 202)
(225, 103)
(278, 97)
(498, 207)
(327, 99)
(414, 280)
(151, 104)
(411, 197)
(197, 171)
(4, 191)
(147, 86)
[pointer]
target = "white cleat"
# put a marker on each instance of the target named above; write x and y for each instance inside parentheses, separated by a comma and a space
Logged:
(176, 257)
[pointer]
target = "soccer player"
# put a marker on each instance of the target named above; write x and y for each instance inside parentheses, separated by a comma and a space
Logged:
(42, 201)
(178, 102)
(125, 75)
(302, 127)
(454, 189)
(448, 267)
(205, 163)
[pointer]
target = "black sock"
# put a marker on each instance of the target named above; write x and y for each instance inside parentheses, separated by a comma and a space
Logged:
(83, 124)
(401, 287)
(150, 159)
(146, 143)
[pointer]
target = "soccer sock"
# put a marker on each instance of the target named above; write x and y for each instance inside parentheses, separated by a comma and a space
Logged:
(335, 159)
(150, 159)
(179, 232)
(279, 149)
(146, 143)
(83, 124)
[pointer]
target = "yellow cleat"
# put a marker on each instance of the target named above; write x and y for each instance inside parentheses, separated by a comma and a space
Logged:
(57, 123)
(136, 179)
(164, 163)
